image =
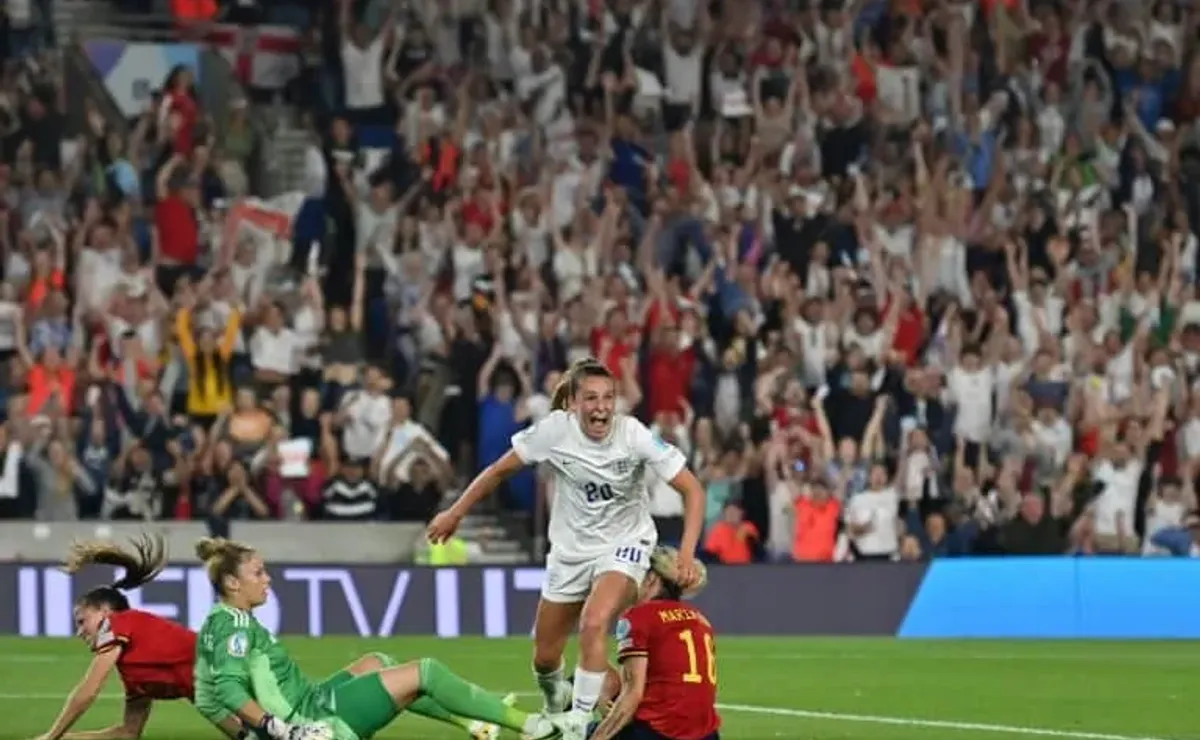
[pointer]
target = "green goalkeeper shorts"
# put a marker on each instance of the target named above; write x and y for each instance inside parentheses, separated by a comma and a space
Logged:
(357, 708)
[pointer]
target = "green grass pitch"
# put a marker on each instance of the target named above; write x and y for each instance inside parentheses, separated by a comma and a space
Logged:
(823, 689)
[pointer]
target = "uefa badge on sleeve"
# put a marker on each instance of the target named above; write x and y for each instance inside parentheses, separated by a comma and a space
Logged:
(622, 633)
(238, 645)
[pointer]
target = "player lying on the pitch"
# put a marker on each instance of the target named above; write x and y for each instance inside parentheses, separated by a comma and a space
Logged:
(155, 657)
(241, 669)
(667, 686)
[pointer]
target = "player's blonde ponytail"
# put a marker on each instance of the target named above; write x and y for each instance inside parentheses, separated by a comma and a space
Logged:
(142, 562)
(221, 558)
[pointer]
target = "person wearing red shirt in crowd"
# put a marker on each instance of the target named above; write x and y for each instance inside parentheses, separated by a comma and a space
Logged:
(667, 687)
(669, 371)
(909, 334)
(178, 110)
(176, 229)
(817, 514)
(732, 540)
(51, 381)
(154, 657)
(614, 342)
(1050, 48)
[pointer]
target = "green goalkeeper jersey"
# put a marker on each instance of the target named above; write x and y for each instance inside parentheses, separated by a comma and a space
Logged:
(238, 660)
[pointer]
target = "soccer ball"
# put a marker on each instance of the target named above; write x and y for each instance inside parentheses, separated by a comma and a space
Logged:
(312, 731)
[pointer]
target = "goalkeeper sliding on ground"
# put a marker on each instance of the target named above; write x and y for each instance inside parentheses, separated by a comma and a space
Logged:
(242, 671)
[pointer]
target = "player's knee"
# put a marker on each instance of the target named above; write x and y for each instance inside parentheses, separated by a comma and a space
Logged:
(593, 628)
(428, 669)
(547, 656)
(372, 663)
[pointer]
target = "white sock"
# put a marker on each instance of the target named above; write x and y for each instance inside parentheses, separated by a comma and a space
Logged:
(548, 683)
(588, 685)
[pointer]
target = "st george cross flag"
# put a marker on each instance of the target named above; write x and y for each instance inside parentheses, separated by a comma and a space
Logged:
(264, 57)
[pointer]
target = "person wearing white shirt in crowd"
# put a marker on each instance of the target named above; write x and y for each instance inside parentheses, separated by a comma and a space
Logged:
(530, 228)
(1168, 505)
(544, 89)
(12, 322)
(539, 404)
(247, 273)
(365, 416)
(1053, 435)
(1039, 308)
(99, 267)
(873, 518)
(683, 59)
(1113, 509)
(137, 313)
(363, 54)
(971, 386)
(274, 348)
(403, 444)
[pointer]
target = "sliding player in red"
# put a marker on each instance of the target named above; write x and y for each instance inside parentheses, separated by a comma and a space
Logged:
(667, 687)
(153, 656)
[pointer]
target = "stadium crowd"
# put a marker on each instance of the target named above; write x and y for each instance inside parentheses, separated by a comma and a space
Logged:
(902, 278)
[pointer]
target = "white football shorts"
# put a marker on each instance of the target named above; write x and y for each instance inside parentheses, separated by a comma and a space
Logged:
(569, 580)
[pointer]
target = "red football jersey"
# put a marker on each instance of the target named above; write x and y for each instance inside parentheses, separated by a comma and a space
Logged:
(157, 656)
(681, 673)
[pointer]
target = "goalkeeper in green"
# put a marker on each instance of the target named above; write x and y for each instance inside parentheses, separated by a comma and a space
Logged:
(242, 671)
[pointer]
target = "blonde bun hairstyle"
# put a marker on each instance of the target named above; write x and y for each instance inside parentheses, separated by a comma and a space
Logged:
(222, 558)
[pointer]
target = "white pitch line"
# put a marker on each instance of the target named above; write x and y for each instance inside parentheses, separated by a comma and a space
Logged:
(930, 723)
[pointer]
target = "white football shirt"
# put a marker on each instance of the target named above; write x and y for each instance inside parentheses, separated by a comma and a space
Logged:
(368, 418)
(600, 497)
(880, 509)
(1119, 497)
(973, 393)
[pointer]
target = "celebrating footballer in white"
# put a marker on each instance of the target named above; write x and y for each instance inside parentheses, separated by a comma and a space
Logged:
(601, 533)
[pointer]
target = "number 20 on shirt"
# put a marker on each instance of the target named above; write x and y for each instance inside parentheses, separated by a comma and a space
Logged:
(597, 492)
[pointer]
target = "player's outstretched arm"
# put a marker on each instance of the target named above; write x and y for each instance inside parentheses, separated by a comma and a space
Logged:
(692, 491)
(84, 694)
(137, 713)
(489, 479)
(633, 686)
(669, 464)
